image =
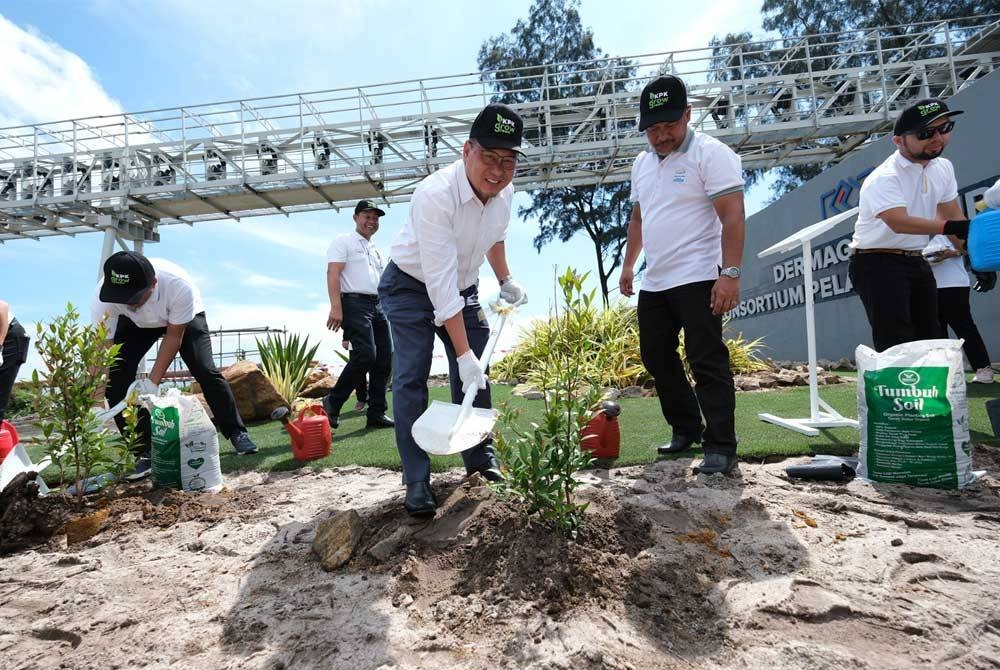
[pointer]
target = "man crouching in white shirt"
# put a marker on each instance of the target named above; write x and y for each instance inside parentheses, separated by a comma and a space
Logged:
(458, 216)
(142, 300)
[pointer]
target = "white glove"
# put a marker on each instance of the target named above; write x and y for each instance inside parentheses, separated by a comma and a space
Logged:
(142, 386)
(1, 356)
(470, 370)
(513, 293)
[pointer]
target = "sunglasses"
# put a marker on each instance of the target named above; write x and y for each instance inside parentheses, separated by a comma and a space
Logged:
(927, 133)
(493, 159)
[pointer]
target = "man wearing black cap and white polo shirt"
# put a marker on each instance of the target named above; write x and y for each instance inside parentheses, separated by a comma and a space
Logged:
(143, 300)
(687, 216)
(904, 201)
(458, 216)
(354, 267)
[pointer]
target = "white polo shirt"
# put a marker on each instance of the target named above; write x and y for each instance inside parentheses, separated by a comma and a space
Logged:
(681, 233)
(363, 263)
(898, 182)
(447, 234)
(175, 301)
(992, 196)
(951, 272)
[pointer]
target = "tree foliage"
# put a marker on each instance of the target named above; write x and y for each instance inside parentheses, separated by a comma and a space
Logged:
(550, 55)
(893, 20)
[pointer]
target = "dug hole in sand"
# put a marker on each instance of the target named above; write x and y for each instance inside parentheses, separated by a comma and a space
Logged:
(669, 571)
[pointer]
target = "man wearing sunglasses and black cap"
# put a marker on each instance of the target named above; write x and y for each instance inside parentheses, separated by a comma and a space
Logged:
(458, 218)
(141, 301)
(354, 267)
(906, 200)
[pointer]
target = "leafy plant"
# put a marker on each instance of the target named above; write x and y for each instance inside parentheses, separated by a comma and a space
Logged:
(286, 360)
(608, 341)
(75, 358)
(540, 461)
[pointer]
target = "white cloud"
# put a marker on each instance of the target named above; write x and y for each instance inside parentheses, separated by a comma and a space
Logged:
(42, 81)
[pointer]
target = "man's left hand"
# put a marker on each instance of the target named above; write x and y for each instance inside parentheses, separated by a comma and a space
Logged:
(725, 294)
(985, 281)
(513, 293)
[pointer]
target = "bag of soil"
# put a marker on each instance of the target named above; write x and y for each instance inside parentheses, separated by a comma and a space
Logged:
(185, 444)
(913, 416)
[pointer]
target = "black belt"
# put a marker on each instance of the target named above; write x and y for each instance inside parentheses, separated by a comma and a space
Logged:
(361, 296)
(898, 252)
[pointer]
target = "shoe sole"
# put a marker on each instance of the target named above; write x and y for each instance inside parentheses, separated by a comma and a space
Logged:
(138, 477)
(247, 453)
(421, 513)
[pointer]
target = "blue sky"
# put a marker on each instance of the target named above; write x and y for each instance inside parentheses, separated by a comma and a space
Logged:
(65, 60)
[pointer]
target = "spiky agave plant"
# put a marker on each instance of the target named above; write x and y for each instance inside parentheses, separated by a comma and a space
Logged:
(285, 360)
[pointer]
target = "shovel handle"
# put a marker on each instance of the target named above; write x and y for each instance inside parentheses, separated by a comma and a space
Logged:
(470, 395)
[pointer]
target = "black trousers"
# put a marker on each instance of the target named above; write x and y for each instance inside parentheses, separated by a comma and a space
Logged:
(954, 311)
(900, 297)
(195, 351)
(15, 354)
(367, 330)
(662, 315)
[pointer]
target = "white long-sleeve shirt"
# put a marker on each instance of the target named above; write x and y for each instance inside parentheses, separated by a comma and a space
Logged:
(446, 236)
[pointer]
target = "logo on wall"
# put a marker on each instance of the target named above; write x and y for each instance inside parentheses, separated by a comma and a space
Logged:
(843, 197)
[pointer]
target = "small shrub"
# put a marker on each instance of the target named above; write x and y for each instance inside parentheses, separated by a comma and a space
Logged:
(21, 401)
(541, 460)
(286, 360)
(75, 359)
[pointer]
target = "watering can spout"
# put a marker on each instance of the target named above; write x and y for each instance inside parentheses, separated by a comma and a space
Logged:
(283, 414)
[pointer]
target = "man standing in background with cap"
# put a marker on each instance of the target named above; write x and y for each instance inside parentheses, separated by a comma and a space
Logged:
(354, 267)
(904, 201)
(688, 218)
(458, 216)
(142, 300)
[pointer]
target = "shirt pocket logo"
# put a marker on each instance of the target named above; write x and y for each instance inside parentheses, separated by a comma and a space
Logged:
(680, 176)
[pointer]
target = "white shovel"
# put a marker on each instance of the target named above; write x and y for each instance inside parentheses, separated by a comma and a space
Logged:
(446, 428)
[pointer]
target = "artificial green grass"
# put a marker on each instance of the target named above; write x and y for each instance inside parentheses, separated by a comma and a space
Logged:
(642, 430)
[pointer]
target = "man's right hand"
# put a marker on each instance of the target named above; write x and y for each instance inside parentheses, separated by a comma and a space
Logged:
(471, 371)
(335, 318)
(625, 282)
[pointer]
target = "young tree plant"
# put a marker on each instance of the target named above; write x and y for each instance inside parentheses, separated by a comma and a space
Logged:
(76, 358)
(540, 461)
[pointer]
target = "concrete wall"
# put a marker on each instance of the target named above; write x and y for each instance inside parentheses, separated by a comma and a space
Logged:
(772, 289)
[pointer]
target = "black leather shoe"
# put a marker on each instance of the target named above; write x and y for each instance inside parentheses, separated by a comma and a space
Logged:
(420, 499)
(714, 462)
(490, 470)
(380, 422)
(680, 442)
(332, 416)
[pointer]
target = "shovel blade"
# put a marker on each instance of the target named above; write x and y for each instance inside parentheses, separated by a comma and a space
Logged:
(433, 430)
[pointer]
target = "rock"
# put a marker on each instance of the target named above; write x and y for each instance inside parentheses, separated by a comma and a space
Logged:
(85, 527)
(609, 393)
(336, 538)
(631, 392)
(402, 600)
(896, 542)
(317, 384)
(792, 378)
(527, 391)
(255, 395)
(387, 547)
(767, 380)
(131, 517)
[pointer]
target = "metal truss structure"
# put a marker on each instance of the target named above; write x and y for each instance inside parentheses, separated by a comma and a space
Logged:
(782, 102)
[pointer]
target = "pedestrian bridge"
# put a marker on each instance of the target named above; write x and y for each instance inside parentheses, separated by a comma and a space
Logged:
(780, 102)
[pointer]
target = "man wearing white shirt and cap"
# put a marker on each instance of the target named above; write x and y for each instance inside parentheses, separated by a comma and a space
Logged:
(142, 300)
(458, 217)
(354, 267)
(904, 201)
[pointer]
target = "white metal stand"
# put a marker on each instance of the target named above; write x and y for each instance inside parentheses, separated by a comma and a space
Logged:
(827, 417)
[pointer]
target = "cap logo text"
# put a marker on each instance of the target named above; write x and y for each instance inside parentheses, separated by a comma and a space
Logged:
(119, 278)
(504, 126)
(658, 99)
(928, 108)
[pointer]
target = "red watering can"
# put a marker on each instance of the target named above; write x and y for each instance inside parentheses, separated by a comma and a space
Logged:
(8, 438)
(602, 434)
(310, 432)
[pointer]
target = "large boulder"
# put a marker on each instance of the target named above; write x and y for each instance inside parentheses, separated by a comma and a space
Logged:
(255, 395)
(318, 384)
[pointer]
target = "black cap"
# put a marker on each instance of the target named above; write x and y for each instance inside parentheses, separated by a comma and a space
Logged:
(498, 127)
(663, 99)
(127, 275)
(365, 205)
(922, 114)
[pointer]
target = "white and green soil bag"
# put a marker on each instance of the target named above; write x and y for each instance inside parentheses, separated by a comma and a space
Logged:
(185, 444)
(913, 416)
